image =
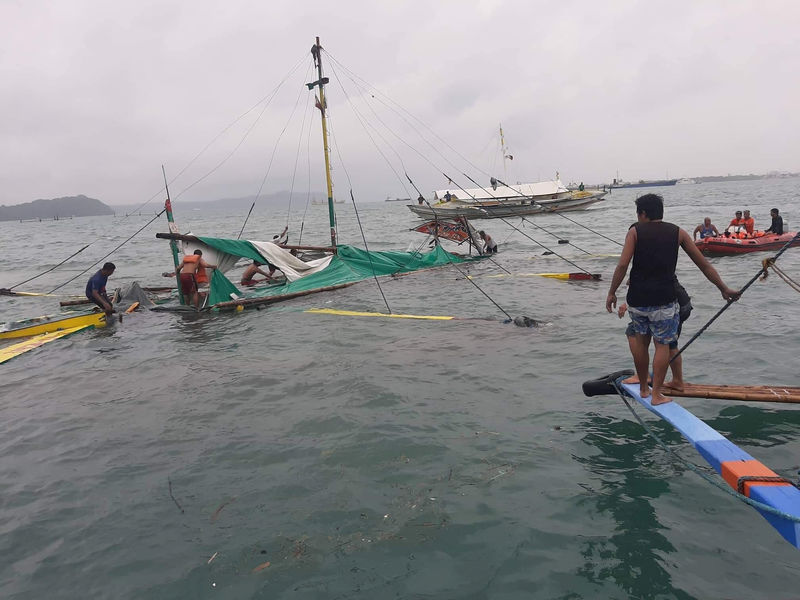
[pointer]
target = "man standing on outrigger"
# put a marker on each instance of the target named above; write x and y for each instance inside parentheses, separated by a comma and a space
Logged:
(652, 299)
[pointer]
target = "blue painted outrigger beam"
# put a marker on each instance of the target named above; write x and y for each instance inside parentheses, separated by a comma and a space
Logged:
(717, 450)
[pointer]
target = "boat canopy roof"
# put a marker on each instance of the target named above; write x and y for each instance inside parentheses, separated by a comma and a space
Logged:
(522, 190)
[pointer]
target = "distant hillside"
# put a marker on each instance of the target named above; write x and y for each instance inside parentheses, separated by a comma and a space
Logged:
(70, 206)
(228, 205)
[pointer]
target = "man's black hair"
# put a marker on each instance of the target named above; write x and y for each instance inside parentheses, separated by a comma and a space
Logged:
(775, 210)
(109, 267)
(651, 205)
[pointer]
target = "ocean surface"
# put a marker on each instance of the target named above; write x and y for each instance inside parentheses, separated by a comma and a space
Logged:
(283, 454)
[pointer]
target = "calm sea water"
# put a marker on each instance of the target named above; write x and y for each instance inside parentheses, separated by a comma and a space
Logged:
(174, 457)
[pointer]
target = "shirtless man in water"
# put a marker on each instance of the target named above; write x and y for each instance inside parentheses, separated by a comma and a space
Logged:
(652, 299)
(253, 270)
(188, 270)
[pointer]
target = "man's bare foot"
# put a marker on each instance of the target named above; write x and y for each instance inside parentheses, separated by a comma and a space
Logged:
(644, 391)
(659, 399)
(674, 385)
(631, 379)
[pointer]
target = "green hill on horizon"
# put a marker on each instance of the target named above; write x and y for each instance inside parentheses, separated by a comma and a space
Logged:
(68, 206)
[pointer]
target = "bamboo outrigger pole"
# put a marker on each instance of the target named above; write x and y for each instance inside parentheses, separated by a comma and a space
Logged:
(172, 243)
(316, 52)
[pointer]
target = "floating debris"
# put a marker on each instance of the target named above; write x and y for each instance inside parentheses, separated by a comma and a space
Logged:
(260, 567)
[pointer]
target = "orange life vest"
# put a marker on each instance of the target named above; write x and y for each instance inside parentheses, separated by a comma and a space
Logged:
(200, 274)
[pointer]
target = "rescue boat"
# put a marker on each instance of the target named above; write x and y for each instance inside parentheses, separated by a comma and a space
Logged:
(724, 246)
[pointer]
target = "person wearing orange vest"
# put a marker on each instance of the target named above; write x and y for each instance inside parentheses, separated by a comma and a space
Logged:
(192, 271)
(749, 222)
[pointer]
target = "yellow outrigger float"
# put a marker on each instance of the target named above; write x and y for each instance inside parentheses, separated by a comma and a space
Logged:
(52, 323)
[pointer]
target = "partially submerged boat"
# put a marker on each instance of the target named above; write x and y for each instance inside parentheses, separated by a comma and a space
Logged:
(338, 265)
(725, 246)
(50, 324)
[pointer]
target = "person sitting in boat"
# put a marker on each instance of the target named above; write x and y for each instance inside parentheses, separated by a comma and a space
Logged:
(489, 245)
(736, 226)
(96, 288)
(653, 245)
(707, 229)
(192, 271)
(749, 223)
(776, 227)
(253, 270)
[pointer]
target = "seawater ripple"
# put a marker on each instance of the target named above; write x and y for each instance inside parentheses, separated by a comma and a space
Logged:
(384, 457)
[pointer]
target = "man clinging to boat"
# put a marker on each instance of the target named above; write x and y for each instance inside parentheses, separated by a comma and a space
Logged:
(96, 288)
(193, 272)
(652, 298)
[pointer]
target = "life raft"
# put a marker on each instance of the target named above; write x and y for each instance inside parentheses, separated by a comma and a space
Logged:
(724, 246)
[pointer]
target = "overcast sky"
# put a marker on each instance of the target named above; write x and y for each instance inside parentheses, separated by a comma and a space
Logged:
(96, 96)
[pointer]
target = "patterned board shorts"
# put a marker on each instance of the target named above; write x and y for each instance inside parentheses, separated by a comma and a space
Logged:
(662, 322)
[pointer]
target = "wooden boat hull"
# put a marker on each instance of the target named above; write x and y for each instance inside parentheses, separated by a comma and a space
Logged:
(51, 323)
(735, 465)
(723, 246)
(503, 209)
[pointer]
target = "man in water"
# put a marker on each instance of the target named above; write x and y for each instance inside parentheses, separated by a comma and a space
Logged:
(652, 298)
(253, 270)
(96, 288)
(190, 266)
(707, 229)
(489, 246)
(777, 223)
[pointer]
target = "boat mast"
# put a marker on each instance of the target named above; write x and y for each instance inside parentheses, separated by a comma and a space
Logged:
(504, 152)
(172, 229)
(316, 52)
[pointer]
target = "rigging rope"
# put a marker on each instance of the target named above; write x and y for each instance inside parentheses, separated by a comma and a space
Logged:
(369, 256)
(110, 253)
(274, 149)
(308, 191)
(52, 268)
(770, 263)
(363, 124)
(761, 271)
(693, 467)
(545, 247)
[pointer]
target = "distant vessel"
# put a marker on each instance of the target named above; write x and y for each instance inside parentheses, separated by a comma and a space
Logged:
(390, 199)
(618, 183)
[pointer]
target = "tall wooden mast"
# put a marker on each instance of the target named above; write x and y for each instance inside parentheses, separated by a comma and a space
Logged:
(316, 52)
(172, 243)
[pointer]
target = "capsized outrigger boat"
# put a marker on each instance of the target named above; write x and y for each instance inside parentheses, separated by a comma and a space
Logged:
(776, 498)
(339, 267)
(342, 267)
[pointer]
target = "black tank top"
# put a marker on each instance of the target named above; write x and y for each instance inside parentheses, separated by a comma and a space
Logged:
(654, 259)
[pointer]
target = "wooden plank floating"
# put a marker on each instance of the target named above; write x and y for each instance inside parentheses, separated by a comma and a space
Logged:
(15, 350)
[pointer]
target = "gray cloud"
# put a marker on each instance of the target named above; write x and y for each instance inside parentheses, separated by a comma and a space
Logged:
(97, 95)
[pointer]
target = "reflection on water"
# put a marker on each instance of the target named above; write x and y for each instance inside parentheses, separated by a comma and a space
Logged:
(629, 471)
